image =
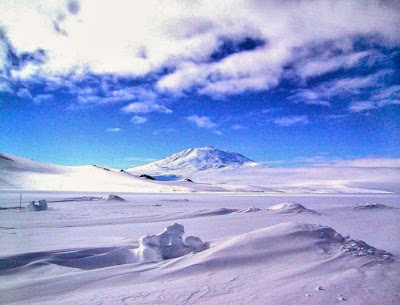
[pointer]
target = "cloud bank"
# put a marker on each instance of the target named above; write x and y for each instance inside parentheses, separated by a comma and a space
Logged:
(169, 48)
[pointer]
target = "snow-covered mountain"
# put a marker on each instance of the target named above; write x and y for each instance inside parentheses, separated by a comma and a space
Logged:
(22, 173)
(195, 160)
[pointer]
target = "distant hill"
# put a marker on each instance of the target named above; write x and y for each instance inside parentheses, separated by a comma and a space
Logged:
(22, 173)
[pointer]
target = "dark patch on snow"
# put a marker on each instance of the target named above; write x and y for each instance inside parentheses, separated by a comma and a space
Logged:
(144, 176)
(5, 158)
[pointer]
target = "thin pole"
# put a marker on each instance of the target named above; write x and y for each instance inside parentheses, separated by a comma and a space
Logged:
(20, 202)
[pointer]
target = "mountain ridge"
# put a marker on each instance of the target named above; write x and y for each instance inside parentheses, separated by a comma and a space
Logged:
(196, 159)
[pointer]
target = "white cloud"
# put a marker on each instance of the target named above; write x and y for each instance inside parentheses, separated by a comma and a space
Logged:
(369, 162)
(115, 129)
(353, 87)
(329, 63)
(361, 106)
(24, 94)
(145, 107)
(202, 121)
(323, 161)
(42, 98)
(309, 97)
(292, 120)
(138, 120)
(380, 98)
(131, 38)
(106, 93)
(238, 127)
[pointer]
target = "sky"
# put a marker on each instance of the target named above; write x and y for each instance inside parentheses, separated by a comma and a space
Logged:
(125, 82)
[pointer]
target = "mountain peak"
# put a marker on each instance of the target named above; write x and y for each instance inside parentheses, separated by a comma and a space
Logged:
(196, 159)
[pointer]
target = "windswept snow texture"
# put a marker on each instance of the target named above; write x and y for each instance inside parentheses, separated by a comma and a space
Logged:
(99, 252)
(251, 251)
(26, 174)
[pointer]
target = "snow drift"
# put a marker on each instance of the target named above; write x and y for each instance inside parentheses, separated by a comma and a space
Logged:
(299, 263)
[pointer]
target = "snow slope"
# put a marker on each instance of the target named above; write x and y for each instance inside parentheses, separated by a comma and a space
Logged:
(21, 173)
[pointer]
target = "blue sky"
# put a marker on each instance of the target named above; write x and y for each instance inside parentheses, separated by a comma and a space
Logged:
(120, 84)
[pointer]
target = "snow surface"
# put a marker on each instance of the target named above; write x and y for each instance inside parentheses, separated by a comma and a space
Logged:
(93, 251)
(306, 235)
(204, 169)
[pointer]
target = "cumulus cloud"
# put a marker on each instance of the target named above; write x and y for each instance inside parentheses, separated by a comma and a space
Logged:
(138, 120)
(145, 107)
(176, 42)
(292, 120)
(202, 121)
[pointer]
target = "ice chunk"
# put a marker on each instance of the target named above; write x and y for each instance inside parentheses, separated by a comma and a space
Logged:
(149, 249)
(168, 244)
(195, 243)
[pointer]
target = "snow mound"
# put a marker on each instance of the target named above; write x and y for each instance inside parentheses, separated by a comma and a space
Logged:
(280, 243)
(112, 198)
(371, 206)
(290, 207)
(217, 212)
(345, 244)
(250, 210)
(168, 244)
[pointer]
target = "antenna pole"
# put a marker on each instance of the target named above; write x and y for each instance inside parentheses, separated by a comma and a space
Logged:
(20, 202)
